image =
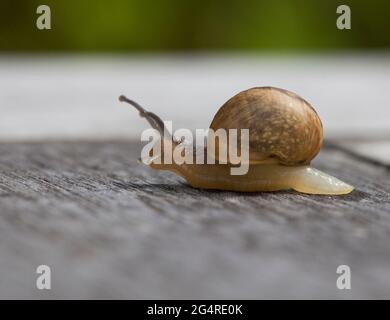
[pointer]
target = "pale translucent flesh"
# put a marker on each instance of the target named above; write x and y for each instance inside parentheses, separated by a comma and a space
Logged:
(271, 177)
(310, 180)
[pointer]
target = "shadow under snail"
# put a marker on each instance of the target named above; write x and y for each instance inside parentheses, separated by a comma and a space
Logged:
(285, 134)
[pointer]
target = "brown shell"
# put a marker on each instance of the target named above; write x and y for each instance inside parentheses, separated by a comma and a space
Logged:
(281, 125)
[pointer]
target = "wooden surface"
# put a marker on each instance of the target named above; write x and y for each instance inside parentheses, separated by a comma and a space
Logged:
(110, 227)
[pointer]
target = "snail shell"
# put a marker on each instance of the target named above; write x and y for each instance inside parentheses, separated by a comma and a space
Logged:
(281, 124)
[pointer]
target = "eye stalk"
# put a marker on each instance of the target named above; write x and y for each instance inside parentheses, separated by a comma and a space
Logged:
(154, 120)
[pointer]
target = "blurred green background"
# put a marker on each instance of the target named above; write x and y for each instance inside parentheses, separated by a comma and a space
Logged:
(170, 25)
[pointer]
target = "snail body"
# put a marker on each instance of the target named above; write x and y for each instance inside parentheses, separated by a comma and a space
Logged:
(285, 134)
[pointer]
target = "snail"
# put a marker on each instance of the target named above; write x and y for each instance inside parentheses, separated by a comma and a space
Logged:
(285, 134)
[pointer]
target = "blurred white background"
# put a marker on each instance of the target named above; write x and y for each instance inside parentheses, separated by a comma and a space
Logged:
(75, 97)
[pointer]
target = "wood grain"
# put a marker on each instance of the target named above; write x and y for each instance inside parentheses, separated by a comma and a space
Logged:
(110, 227)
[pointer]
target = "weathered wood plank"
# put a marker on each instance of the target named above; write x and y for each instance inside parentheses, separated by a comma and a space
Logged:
(110, 227)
